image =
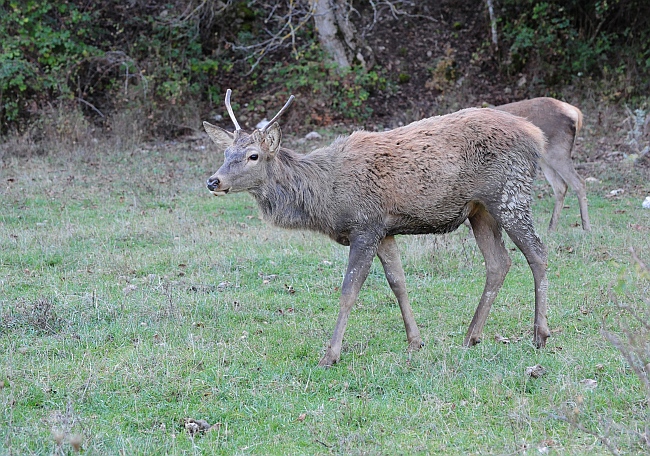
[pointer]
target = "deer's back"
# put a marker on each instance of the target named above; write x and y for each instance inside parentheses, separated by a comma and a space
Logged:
(424, 175)
(558, 120)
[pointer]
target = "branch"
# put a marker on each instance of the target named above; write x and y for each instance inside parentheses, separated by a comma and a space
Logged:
(378, 6)
(91, 106)
(493, 23)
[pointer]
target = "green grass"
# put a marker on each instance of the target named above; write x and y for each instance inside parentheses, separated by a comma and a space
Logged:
(131, 299)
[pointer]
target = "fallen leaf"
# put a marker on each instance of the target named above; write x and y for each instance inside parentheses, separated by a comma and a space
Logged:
(289, 288)
(129, 289)
(535, 371)
(301, 417)
(500, 338)
(223, 285)
(589, 383)
(193, 426)
(267, 278)
(637, 227)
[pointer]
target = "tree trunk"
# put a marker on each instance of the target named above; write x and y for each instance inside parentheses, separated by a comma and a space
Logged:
(325, 20)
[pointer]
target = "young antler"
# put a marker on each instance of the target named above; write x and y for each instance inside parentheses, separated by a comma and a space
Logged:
(284, 108)
(229, 108)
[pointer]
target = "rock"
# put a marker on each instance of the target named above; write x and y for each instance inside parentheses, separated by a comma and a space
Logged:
(313, 136)
(646, 203)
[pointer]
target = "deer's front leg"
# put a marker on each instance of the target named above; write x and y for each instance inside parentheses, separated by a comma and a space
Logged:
(361, 254)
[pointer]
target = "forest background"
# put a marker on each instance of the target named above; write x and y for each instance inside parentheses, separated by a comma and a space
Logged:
(152, 69)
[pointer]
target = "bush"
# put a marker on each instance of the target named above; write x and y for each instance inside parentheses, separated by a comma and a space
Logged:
(559, 41)
(332, 92)
(42, 46)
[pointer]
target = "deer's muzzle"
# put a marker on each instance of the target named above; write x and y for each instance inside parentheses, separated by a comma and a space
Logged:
(213, 184)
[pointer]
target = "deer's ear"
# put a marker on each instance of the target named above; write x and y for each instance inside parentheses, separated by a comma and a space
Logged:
(273, 137)
(222, 138)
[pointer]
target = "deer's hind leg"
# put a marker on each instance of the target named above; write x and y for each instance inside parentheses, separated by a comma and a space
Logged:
(519, 226)
(559, 191)
(388, 253)
(487, 233)
(564, 167)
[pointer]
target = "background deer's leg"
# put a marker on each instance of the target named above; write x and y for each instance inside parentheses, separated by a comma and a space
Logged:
(388, 253)
(567, 171)
(559, 191)
(487, 233)
(361, 255)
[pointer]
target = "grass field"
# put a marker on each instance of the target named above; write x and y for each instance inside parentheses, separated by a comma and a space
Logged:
(131, 300)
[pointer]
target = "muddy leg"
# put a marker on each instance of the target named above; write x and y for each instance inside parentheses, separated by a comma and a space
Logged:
(389, 255)
(361, 254)
(487, 233)
(523, 234)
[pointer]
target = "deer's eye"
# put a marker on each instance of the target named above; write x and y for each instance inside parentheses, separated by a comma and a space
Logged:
(253, 157)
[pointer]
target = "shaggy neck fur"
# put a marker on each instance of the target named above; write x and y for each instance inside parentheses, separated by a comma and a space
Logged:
(298, 189)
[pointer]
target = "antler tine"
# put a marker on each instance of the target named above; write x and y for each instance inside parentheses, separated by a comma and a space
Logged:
(284, 108)
(229, 108)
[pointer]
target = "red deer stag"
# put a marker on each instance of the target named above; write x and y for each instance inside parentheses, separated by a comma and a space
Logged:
(425, 177)
(561, 123)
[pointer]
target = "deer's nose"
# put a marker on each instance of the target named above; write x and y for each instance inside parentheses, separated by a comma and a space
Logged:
(213, 183)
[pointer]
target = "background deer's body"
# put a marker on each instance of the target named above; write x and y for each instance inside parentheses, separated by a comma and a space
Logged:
(561, 123)
(426, 177)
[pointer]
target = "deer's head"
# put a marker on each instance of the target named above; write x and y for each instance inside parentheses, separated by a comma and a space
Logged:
(246, 156)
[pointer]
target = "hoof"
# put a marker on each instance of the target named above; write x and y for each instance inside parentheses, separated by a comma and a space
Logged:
(329, 359)
(540, 336)
(415, 345)
(471, 341)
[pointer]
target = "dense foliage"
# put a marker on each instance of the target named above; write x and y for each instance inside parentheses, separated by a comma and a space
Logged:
(168, 61)
(559, 40)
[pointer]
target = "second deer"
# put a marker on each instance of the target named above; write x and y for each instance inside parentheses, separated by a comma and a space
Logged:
(561, 123)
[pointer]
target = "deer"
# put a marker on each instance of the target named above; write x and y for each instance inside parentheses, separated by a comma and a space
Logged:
(561, 123)
(426, 177)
